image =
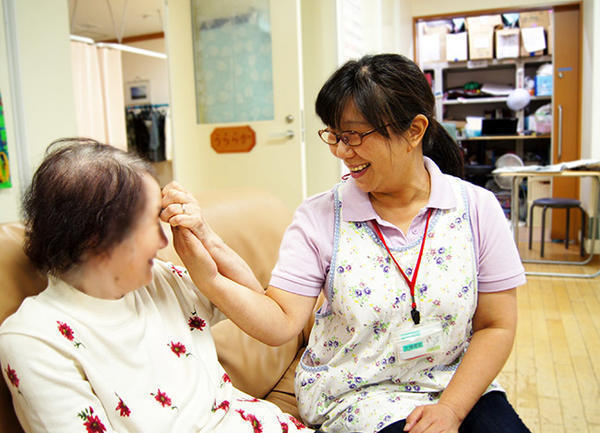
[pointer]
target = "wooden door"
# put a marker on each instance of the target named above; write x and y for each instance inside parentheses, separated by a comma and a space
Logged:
(566, 109)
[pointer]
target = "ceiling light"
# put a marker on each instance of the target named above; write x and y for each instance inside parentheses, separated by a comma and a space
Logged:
(119, 47)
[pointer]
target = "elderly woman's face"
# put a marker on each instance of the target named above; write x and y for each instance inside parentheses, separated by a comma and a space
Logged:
(130, 262)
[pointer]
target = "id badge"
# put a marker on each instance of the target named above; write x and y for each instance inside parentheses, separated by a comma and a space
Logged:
(421, 340)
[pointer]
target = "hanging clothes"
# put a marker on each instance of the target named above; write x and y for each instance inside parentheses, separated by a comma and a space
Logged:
(146, 131)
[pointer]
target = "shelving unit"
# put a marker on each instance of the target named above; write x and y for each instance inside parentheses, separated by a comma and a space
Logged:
(562, 27)
(484, 150)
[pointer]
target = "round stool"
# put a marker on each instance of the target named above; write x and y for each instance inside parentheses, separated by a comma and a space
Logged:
(556, 203)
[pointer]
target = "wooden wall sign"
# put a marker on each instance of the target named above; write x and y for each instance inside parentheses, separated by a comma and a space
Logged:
(233, 139)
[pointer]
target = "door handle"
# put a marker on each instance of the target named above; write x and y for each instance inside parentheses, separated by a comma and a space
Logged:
(289, 134)
(560, 119)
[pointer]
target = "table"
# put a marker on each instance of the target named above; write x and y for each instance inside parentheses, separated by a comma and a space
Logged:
(517, 178)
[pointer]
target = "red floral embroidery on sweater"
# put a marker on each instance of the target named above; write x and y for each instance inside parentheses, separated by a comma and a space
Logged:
(122, 408)
(196, 322)
(224, 405)
(254, 422)
(66, 331)
(163, 399)
(284, 426)
(226, 378)
(297, 423)
(12, 376)
(177, 270)
(249, 400)
(91, 422)
(178, 349)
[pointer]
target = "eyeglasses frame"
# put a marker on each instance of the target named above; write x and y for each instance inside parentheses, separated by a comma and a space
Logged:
(340, 135)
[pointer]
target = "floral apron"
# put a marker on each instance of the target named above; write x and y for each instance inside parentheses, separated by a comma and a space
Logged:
(350, 378)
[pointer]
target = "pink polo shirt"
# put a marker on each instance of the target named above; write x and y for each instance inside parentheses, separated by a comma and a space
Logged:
(307, 246)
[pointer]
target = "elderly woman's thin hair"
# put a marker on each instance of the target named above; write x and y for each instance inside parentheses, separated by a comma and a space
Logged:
(83, 198)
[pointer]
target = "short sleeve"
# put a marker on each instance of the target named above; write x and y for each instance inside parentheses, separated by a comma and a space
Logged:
(306, 248)
(499, 263)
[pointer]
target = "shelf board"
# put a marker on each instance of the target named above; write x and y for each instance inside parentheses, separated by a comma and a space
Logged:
(486, 63)
(504, 137)
(489, 100)
(468, 101)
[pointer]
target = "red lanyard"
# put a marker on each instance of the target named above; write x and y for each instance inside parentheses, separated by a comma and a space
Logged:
(411, 283)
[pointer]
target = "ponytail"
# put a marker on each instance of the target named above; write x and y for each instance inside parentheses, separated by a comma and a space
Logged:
(442, 149)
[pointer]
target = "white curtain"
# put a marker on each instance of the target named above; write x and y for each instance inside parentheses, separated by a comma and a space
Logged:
(98, 89)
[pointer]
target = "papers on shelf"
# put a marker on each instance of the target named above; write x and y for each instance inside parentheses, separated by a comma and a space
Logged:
(496, 89)
(579, 164)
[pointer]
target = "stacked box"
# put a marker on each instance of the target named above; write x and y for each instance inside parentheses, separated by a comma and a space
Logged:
(507, 43)
(541, 19)
(481, 35)
(433, 43)
(456, 47)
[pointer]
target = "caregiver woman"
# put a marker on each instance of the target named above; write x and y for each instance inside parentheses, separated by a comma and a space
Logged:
(418, 269)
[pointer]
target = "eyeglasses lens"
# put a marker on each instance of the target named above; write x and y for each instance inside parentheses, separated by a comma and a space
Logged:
(348, 138)
(351, 138)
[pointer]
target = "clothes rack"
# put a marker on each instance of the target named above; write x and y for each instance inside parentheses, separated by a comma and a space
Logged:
(146, 130)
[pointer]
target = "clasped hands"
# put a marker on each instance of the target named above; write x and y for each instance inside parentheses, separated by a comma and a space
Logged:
(192, 236)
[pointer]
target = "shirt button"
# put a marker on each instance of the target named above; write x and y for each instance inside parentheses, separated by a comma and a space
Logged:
(414, 231)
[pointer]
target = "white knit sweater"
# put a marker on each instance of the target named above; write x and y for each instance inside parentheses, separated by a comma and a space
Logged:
(144, 363)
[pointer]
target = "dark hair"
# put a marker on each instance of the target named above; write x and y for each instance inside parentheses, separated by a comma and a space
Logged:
(84, 197)
(389, 89)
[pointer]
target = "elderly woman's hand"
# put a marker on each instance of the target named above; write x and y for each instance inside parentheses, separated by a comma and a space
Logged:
(180, 209)
(194, 255)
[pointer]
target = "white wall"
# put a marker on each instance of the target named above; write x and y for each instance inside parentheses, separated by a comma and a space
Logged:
(386, 27)
(137, 67)
(319, 53)
(36, 86)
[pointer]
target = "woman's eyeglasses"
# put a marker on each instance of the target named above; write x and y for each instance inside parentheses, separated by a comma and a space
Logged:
(349, 138)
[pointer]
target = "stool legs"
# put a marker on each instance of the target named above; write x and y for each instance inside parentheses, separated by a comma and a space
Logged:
(568, 221)
(545, 208)
(567, 228)
(581, 246)
(530, 224)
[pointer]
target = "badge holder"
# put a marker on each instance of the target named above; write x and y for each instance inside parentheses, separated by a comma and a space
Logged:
(419, 341)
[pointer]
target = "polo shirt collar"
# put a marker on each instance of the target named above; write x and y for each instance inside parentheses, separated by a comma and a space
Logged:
(357, 206)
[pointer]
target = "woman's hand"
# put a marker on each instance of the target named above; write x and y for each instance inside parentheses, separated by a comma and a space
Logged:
(194, 255)
(432, 418)
(180, 209)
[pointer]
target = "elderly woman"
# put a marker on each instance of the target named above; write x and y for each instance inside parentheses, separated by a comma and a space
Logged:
(118, 341)
(418, 269)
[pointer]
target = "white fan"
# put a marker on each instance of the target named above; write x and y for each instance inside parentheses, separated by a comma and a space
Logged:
(507, 160)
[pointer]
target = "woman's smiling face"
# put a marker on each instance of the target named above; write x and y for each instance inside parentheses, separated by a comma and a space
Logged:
(377, 162)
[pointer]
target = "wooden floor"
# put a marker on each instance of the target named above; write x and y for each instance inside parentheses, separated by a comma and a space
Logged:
(553, 374)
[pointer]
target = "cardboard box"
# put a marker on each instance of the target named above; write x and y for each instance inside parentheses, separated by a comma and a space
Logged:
(541, 19)
(456, 47)
(481, 35)
(507, 43)
(432, 45)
